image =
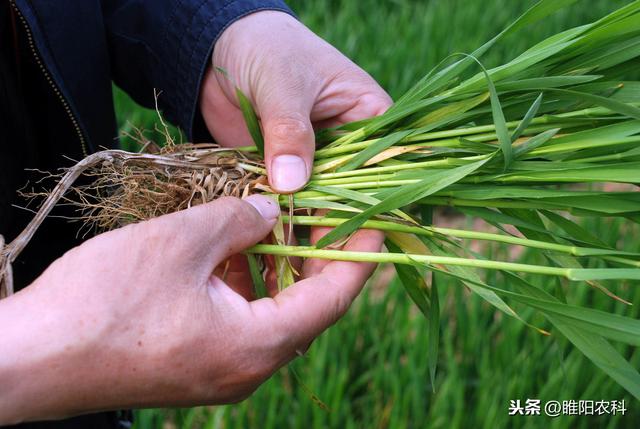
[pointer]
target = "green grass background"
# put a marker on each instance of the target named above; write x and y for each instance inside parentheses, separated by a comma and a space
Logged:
(370, 369)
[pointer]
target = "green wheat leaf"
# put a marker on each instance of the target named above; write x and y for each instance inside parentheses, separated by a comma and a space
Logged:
(251, 120)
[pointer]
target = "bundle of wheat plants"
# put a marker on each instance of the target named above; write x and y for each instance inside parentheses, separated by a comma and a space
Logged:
(528, 147)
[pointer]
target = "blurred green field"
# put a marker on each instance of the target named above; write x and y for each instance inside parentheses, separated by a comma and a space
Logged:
(370, 369)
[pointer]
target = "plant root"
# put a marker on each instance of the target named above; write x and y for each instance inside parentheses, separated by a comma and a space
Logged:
(131, 187)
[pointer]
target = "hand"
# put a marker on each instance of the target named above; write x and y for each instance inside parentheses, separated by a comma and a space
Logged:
(295, 80)
(135, 317)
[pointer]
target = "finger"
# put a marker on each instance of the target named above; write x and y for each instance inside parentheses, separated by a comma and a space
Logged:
(289, 137)
(229, 303)
(310, 306)
(235, 272)
(204, 236)
(367, 106)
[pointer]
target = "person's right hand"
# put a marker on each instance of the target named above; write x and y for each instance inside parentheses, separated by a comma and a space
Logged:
(135, 317)
(296, 83)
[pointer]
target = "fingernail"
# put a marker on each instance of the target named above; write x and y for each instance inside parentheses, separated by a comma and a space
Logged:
(267, 207)
(289, 173)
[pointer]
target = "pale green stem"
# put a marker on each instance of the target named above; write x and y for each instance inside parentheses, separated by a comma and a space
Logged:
(438, 201)
(610, 157)
(448, 138)
(441, 201)
(430, 231)
(503, 204)
(355, 147)
(325, 164)
(351, 180)
(488, 131)
(378, 182)
(574, 146)
(246, 149)
(406, 259)
(252, 168)
(620, 260)
(589, 113)
(408, 166)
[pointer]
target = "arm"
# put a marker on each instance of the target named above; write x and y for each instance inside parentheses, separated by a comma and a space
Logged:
(166, 45)
(296, 81)
(136, 318)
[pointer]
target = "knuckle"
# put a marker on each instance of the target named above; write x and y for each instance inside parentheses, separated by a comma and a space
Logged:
(157, 233)
(240, 395)
(235, 386)
(280, 341)
(256, 375)
(229, 209)
(226, 210)
(240, 214)
(232, 203)
(340, 303)
(375, 103)
(276, 336)
(286, 341)
(288, 128)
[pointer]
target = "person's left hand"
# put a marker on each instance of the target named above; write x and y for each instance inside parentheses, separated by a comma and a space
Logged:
(296, 82)
(136, 317)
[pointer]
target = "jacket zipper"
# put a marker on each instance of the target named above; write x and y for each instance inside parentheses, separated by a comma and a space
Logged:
(47, 75)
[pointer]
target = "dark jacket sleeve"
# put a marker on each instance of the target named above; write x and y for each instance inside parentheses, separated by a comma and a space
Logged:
(166, 45)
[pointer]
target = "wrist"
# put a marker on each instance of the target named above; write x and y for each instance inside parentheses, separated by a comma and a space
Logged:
(248, 45)
(43, 364)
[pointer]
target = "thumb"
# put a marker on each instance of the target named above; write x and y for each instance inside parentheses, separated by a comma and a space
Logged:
(304, 310)
(289, 139)
(204, 236)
